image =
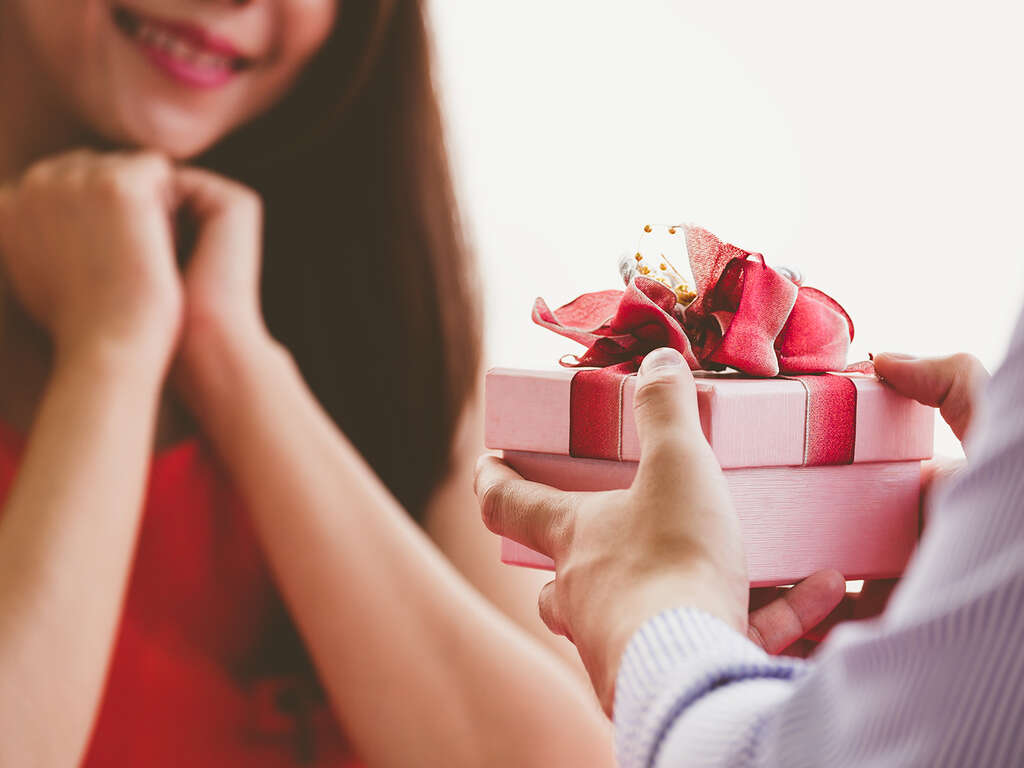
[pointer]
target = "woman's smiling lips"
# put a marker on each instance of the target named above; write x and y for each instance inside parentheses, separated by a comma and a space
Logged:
(185, 52)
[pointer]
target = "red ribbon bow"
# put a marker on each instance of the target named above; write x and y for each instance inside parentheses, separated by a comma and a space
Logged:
(747, 316)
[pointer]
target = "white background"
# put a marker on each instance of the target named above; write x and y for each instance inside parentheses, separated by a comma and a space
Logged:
(876, 145)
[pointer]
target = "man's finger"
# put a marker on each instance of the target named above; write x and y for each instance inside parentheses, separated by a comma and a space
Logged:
(866, 604)
(952, 384)
(549, 610)
(873, 598)
(530, 513)
(785, 620)
(667, 419)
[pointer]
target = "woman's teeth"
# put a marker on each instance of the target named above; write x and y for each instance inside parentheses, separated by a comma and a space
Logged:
(157, 37)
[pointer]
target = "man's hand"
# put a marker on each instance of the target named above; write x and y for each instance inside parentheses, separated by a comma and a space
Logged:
(673, 539)
(952, 384)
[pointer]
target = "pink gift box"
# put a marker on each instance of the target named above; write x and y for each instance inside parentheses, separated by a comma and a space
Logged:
(748, 422)
(862, 519)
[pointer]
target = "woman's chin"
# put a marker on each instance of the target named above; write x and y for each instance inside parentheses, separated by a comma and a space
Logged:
(180, 137)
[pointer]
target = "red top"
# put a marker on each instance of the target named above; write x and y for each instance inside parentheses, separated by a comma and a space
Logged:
(199, 598)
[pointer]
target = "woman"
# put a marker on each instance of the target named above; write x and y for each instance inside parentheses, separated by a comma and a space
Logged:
(134, 312)
(326, 110)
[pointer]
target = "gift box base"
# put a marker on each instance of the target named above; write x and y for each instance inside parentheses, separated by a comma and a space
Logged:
(862, 519)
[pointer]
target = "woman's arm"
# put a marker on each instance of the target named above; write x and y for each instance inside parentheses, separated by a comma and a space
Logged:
(453, 523)
(85, 243)
(420, 668)
(66, 538)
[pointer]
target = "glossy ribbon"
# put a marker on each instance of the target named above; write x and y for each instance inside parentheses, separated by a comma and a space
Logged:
(746, 316)
(596, 415)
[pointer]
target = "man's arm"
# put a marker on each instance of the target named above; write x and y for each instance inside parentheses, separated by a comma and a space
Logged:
(934, 681)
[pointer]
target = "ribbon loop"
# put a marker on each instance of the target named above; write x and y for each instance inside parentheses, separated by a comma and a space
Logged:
(757, 301)
(746, 316)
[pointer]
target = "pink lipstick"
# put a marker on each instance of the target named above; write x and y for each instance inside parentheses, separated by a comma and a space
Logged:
(184, 52)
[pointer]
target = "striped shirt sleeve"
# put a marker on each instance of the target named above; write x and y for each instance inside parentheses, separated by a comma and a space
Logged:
(937, 680)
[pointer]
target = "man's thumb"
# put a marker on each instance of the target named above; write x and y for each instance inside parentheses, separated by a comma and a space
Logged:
(665, 405)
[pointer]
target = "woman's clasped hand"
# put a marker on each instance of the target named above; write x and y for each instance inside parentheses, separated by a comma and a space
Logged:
(90, 243)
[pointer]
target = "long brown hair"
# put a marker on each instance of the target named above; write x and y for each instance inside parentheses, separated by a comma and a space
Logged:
(366, 278)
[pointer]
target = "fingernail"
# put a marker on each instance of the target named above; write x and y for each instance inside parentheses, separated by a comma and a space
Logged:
(663, 357)
(898, 355)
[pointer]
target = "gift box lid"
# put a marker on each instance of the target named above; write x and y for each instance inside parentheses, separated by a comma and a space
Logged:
(749, 422)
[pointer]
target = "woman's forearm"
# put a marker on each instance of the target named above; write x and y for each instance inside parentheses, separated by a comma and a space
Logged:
(67, 536)
(420, 668)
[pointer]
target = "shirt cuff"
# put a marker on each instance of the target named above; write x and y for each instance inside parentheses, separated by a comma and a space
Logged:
(672, 661)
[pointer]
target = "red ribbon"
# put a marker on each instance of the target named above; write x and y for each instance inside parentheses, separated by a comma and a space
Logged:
(595, 412)
(596, 415)
(747, 316)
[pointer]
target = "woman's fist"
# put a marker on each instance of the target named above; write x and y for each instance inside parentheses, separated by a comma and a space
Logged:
(222, 273)
(87, 244)
(223, 319)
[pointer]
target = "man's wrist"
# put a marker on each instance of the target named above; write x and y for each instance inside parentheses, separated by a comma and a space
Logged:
(680, 588)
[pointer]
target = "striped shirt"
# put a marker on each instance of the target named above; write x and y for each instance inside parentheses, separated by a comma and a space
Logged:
(937, 680)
